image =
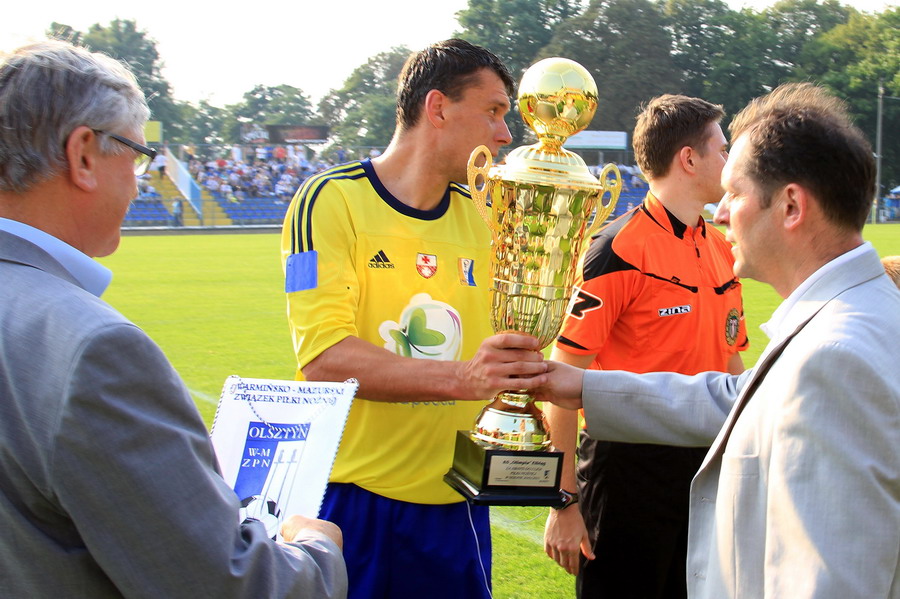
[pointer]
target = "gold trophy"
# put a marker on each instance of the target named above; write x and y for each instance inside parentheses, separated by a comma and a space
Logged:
(538, 206)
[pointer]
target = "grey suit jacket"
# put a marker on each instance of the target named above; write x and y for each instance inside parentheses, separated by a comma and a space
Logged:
(108, 481)
(799, 495)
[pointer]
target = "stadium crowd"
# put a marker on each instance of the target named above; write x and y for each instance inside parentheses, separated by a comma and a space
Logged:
(264, 173)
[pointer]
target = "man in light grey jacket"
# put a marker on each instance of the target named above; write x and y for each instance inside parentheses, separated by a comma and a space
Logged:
(799, 495)
(108, 482)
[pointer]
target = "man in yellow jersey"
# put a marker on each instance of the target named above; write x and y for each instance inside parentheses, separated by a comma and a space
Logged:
(386, 274)
(655, 292)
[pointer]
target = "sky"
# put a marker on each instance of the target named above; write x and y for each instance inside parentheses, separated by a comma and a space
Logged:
(218, 51)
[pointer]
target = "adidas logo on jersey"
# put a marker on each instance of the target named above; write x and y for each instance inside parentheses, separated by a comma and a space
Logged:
(380, 260)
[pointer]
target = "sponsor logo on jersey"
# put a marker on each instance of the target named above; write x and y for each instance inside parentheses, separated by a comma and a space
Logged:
(675, 310)
(427, 328)
(426, 264)
(380, 260)
(732, 326)
(467, 272)
(582, 302)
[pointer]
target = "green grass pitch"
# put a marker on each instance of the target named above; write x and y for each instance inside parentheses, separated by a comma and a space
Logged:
(215, 304)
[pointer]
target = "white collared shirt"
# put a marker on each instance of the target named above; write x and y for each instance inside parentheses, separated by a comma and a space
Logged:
(93, 276)
(772, 328)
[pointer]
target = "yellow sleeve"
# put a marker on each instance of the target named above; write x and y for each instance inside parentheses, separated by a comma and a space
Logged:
(318, 257)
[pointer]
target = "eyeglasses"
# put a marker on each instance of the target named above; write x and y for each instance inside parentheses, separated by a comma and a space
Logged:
(144, 157)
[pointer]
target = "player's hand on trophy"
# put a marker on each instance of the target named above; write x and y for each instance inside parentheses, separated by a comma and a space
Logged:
(566, 537)
(503, 361)
(562, 387)
(294, 525)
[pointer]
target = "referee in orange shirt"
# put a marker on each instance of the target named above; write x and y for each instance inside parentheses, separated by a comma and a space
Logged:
(655, 292)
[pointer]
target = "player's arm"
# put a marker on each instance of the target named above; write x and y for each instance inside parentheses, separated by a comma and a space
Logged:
(504, 361)
(323, 293)
(735, 364)
(565, 534)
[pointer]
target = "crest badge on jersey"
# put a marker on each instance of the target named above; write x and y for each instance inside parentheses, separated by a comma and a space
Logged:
(467, 272)
(732, 326)
(426, 264)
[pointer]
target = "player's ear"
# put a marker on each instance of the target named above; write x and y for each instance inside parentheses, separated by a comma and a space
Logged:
(685, 158)
(434, 108)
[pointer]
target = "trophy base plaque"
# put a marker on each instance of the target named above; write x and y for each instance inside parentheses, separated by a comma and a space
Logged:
(488, 476)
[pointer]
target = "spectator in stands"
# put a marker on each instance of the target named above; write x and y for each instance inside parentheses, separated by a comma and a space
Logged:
(159, 163)
(145, 189)
(108, 479)
(177, 213)
(636, 181)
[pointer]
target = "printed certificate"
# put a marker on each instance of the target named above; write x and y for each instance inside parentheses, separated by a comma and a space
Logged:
(276, 442)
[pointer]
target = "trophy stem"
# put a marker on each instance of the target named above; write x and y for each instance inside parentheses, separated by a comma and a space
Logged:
(512, 401)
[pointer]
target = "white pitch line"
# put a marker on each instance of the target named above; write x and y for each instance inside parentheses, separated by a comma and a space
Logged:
(201, 396)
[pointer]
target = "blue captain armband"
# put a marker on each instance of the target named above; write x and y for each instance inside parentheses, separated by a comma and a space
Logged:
(301, 272)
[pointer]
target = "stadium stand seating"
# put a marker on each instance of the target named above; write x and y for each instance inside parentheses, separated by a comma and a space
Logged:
(253, 211)
(147, 213)
(627, 201)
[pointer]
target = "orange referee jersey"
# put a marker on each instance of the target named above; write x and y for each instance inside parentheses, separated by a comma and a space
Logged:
(655, 295)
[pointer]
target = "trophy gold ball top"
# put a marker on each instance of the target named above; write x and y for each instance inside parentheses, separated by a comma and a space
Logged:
(557, 98)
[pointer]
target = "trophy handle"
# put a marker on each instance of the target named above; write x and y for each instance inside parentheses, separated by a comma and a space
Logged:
(613, 187)
(479, 194)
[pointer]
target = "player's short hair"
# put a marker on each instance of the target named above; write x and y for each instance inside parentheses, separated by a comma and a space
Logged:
(48, 89)
(451, 67)
(668, 123)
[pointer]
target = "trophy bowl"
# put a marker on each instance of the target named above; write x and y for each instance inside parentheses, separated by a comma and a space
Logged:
(540, 205)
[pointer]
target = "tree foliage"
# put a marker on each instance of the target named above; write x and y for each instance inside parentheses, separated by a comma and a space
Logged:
(635, 49)
(268, 105)
(516, 31)
(122, 40)
(853, 60)
(625, 46)
(362, 112)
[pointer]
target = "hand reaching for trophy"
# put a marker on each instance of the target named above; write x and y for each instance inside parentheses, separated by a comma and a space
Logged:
(562, 387)
(504, 361)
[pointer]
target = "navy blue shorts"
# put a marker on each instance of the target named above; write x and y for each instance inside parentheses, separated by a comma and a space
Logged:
(400, 550)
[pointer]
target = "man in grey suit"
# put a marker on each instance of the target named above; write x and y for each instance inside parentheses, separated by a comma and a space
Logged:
(799, 495)
(108, 482)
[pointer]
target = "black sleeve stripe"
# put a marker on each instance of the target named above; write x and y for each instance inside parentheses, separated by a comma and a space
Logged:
(601, 258)
(301, 225)
(570, 343)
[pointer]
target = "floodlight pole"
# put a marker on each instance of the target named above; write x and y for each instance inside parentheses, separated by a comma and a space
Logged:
(877, 198)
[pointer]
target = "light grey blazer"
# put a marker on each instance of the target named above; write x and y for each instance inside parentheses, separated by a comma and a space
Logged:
(799, 495)
(108, 481)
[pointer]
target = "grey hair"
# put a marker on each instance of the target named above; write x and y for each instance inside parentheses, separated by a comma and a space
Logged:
(47, 90)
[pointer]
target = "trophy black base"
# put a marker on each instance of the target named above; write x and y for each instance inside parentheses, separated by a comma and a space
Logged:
(488, 476)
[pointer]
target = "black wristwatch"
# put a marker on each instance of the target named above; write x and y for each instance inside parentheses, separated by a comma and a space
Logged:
(567, 499)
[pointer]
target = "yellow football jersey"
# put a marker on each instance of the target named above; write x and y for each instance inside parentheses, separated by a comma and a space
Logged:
(359, 262)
